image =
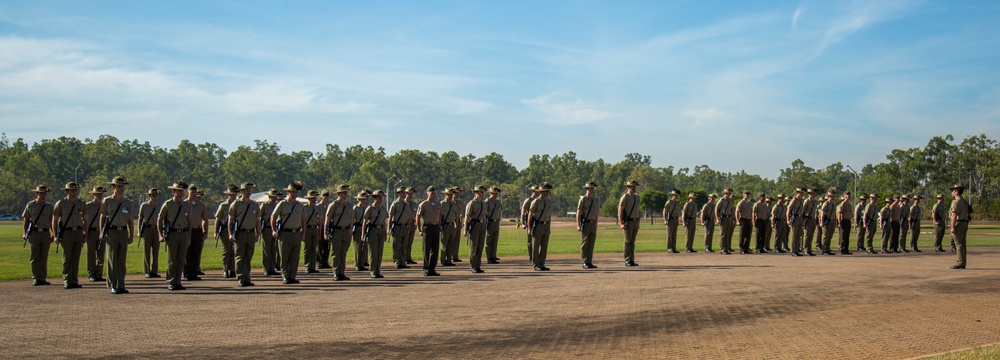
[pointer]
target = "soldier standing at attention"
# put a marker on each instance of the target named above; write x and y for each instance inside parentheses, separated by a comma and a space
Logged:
(960, 216)
(845, 215)
(339, 218)
(828, 217)
(494, 212)
(449, 213)
(540, 214)
(780, 224)
(744, 212)
(938, 214)
(760, 218)
(398, 227)
(149, 211)
(310, 241)
(269, 243)
(69, 216)
(95, 247)
(323, 252)
(587, 211)
(375, 220)
(796, 220)
(688, 214)
(37, 217)
(868, 219)
(174, 229)
(708, 220)
(767, 224)
(408, 247)
(894, 224)
(809, 219)
(914, 220)
(904, 223)
(885, 223)
(117, 229)
(859, 214)
(524, 215)
(628, 220)
(475, 217)
(199, 233)
(671, 213)
(456, 244)
(724, 214)
(357, 232)
(222, 221)
(428, 219)
(287, 223)
(243, 220)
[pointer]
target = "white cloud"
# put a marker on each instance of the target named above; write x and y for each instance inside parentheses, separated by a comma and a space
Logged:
(566, 113)
(797, 15)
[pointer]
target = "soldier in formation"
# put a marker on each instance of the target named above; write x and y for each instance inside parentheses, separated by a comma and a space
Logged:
(244, 220)
(628, 220)
(494, 212)
(708, 221)
(587, 210)
(222, 231)
(671, 215)
(69, 216)
(149, 212)
(174, 229)
(339, 222)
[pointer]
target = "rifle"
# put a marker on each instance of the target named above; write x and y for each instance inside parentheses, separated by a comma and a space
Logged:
(687, 221)
(534, 219)
(107, 223)
(62, 226)
(218, 232)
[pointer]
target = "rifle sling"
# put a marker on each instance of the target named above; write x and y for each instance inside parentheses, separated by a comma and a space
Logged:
(63, 226)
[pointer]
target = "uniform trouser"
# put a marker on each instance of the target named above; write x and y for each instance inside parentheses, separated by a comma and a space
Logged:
(767, 233)
(845, 236)
(117, 244)
(244, 246)
(178, 244)
(40, 243)
(631, 232)
(340, 240)
(310, 246)
(914, 235)
(870, 236)
(408, 245)
(709, 232)
(72, 244)
(886, 237)
(150, 251)
(672, 234)
(269, 250)
(810, 231)
(904, 228)
(939, 235)
(796, 235)
(689, 233)
(399, 234)
(492, 239)
(376, 244)
(746, 229)
(447, 236)
(861, 237)
(192, 265)
(95, 253)
(360, 248)
(894, 235)
(827, 235)
(477, 241)
(588, 234)
(727, 234)
(291, 244)
(228, 252)
(431, 246)
(761, 226)
(540, 243)
(527, 237)
(781, 236)
(456, 241)
(323, 254)
(960, 229)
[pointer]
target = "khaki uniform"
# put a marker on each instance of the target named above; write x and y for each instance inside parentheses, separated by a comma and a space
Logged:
(846, 212)
(246, 214)
(198, 214)
(430, 217)
(672, 211)
(869, 221)
(542, 211)
(525, 207)
(768, 228)
(961, 210)
(457, 243)
(95, 246)
(761, 215)
(904, 225)
(375, 220)
(340, 216)
(797, 219)
(357, 235)
(688, 215)
(828, 216)
(809, 210)
(779, 223)
(400, 216)
(70, 217)
(725, 212)
(588, 208)
(292, 215)
(449, 214)
(119, 236)
(40, 237)
(269, 244)
(323, 249)
(885, 220)
(859, 213)
(744, 212)
(175, 219)
(148, 213)
(939, 214)
(475, 211)
(914, 220)
(310, 243)
(228, 246)
(708, 221)
(408, 246)
(493, 214)
(630, 218)
(895, 216)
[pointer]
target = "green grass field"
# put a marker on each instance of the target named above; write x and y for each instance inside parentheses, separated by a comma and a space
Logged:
(981, 352)
(652, 238)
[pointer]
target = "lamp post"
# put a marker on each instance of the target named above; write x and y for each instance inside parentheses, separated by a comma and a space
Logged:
(75, 179)
(387, 192)
(856, 178)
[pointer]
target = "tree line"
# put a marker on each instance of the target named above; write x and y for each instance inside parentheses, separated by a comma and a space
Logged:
(925, 171)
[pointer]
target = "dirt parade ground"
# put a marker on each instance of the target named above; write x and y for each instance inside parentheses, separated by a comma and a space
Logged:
(702, 305)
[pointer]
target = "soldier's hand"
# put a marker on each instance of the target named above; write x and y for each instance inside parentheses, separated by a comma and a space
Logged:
(274, 234)
(622, 226)
(162, 239)
(578, 228)
(130, 240)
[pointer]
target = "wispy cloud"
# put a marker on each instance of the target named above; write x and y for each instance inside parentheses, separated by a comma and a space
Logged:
(798, 14)
(860, 15)
(566, 112)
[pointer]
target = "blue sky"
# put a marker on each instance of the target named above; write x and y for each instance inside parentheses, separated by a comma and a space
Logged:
(747, 85)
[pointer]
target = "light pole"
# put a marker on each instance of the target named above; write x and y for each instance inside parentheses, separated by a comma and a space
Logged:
(387, 192)
(856, 178)
(74, 173)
